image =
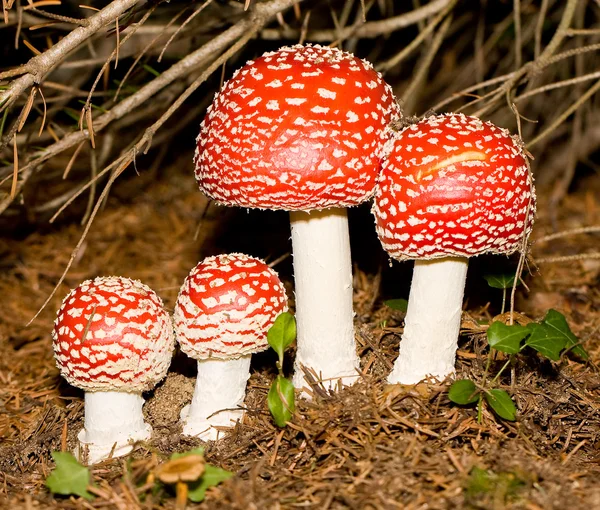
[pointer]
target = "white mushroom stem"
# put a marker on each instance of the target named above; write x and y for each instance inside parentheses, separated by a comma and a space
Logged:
(113, 421)
(218, 396)
(323, 287)
(432, 324)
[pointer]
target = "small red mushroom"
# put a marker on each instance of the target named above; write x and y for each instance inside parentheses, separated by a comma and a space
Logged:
(452, 187)
(223, 312)
(301, 129)
(113, 339)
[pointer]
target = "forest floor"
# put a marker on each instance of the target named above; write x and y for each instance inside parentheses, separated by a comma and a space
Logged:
(370, 446)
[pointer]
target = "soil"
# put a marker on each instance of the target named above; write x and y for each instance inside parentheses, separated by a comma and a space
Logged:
(370, 446)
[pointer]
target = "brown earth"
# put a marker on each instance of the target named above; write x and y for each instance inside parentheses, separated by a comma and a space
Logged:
(370, 446)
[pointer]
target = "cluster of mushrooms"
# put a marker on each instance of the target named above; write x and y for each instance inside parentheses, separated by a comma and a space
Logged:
(310, 130)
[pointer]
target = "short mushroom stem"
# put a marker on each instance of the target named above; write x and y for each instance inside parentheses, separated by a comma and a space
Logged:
(113, 421)
(432, 324)
(323, 285)
(219, 393)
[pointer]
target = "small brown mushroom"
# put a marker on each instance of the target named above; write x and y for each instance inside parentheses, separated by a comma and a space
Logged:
(180, 471)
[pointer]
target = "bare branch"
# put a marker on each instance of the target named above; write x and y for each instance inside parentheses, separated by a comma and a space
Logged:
(563, 116)
(567, 258)
(559, 84)
(417, 41)
(40, 65)
(411, 94)
(182, 26)
(261, 14)
(367, 30)
(593, 229)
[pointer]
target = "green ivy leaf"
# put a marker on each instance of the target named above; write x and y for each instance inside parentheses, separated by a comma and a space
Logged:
(546, 340)
(281, 400)
(282, 333)
(463, 392)
(212, 477)
(557, 321)
(505, 338)
(500, 281)
(69, 476)
(502, 404)
(397, 304)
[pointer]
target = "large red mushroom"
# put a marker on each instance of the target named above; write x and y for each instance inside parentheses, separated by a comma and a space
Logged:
(113, 339)
(452, 187)
(301, 129)
(223, 312)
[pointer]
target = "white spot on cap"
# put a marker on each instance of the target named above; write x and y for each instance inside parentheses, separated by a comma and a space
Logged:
(324, 165)
(352, 117)
(295, 101)
(327, 94)
(273, 105)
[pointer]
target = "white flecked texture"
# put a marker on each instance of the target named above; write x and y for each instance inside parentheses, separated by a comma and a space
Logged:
(300, 128)
(226, 306)
(112, 333)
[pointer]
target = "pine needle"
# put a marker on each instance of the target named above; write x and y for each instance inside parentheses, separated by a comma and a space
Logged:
(41, 3)
(45, 112)
(27, 109)
(31, 47)
(13, 188)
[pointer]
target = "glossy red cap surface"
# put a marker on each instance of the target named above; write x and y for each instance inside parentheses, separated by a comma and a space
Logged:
(453, 185)
(301, 128)
(226, 306)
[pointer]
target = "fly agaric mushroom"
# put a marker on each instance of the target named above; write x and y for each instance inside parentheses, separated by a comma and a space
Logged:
(301, 130)
(113, 339)
(223, 312)
(452, 187)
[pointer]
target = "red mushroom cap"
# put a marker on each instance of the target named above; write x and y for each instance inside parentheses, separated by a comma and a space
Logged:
(301, 128)
(453, 185)
(226, 306)
(112, 333)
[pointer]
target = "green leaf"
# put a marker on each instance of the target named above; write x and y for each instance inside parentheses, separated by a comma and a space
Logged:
(557, 321)
(69, 476)
(502, 404)
(505, 338)
(479, 481)
(93, 106)
(502, 485)
(282, 333)
(463, 392)
(397, 304)
(281, 400)
(74, 114)
(546, 340)
(151, 70)
(500, 281)
(212, 476)
(3, 122)
(195, 451)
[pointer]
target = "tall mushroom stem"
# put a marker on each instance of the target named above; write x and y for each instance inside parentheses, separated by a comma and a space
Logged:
(218, 396)
(432, 324)
(323, 286)
(113, 421)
